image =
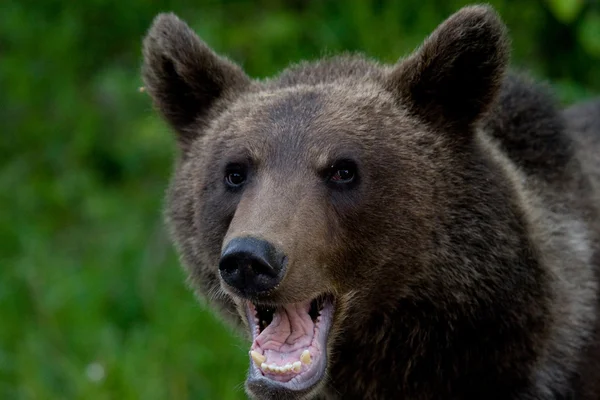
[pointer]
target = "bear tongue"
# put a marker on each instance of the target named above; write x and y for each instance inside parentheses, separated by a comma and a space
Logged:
(290, 332)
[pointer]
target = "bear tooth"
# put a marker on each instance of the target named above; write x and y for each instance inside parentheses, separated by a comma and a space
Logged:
(305, 357)
(297, 366)
(257, 357)
(263, 366)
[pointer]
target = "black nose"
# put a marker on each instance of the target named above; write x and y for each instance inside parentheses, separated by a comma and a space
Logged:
(251, 265)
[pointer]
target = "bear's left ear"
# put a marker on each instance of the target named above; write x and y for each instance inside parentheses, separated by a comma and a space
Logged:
(185, 78)
(453, 78)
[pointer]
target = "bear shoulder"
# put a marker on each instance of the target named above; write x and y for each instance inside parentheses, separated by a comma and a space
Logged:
(528, 125)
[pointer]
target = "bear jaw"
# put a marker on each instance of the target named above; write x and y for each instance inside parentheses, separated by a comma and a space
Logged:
(289, 353)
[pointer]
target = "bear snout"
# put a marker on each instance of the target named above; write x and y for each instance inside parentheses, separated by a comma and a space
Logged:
(252, 266)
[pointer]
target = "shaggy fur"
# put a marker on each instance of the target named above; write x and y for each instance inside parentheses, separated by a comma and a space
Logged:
(464, 261)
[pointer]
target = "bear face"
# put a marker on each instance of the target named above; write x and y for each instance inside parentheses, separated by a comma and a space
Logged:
(344, 214)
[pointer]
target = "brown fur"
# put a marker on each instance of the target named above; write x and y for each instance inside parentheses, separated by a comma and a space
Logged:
(464, 261)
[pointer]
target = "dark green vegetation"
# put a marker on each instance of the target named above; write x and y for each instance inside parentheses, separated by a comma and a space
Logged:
(92, 301)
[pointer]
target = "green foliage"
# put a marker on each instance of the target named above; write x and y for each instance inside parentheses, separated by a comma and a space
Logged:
(93, 303)
(589, 33)
(565, 10)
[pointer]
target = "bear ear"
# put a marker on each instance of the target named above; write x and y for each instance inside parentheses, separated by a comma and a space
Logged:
(453, 78)
(185, 78)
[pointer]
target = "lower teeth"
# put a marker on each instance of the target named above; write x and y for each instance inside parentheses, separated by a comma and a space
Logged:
(295, 367)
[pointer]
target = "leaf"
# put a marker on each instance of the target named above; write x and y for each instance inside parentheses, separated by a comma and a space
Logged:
(588, 33)
(565, 10)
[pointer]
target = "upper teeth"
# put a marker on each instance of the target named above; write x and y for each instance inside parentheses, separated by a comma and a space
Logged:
(295, 367)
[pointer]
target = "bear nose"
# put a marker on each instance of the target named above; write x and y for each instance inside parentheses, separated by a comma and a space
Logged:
(252, 266)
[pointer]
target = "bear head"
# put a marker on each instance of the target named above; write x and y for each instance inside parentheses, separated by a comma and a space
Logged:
(305, 204)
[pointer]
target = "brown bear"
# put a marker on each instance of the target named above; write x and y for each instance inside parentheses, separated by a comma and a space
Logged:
(423, 230)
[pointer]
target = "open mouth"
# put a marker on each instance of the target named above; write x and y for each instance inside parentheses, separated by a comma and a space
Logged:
(289, 344)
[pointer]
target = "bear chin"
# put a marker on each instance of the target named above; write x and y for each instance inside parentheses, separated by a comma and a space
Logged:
(288, 355)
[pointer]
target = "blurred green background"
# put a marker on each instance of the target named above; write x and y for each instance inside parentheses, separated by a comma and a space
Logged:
(93, 304)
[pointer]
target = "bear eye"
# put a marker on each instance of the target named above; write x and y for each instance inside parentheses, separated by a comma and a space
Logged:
(343, 172)
(235, 176)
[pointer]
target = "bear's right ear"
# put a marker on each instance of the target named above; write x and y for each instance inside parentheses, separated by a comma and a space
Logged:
(185, 78)
(453, 78)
